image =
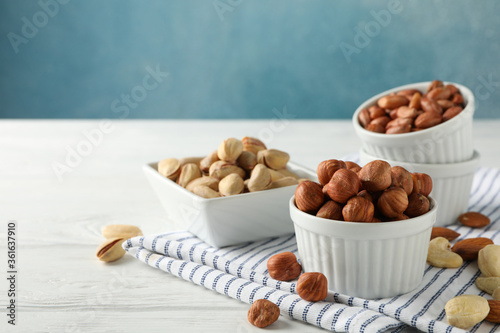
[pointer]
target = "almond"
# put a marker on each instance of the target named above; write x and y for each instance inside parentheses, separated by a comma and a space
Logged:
(474, 220)
(469, 248)
(494, 314)
(444, 232)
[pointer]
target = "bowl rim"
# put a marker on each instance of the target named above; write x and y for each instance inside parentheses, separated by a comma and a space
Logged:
(152, 168)
(361, 230)
(467, 111)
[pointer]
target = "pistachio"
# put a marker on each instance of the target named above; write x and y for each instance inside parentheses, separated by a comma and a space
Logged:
(211, 182)
(260, 179)
(285, 181)
(231, 185)
(170, 168)
(221, 169)
(207, 161)
(121, 231)
(189, 172)
(205, 192)
(275, 175)
(111, 249)
(252, 145)
(247, 160)
(273, 158)
(230, 149)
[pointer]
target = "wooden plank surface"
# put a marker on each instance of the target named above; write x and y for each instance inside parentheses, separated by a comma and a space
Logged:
(62, 287)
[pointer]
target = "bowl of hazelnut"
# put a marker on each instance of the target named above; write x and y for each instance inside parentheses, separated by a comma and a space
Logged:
(427, 122)
(367, 229)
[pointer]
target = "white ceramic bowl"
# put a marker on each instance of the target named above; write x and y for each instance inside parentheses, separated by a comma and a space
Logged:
(452, 183)
(449, 142)
(368, 260)
(227, 220)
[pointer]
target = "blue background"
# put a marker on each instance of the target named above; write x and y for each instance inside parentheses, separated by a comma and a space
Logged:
(238, 58)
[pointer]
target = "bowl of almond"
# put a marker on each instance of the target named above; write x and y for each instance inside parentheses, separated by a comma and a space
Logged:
(427, 122)
(367, 229)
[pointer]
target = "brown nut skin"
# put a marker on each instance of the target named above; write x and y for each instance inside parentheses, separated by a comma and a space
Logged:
(352, 166)
(375, 176)
(393, 202)
(309, 196)
(263, 313)
(284, 266)
(364, 117)
(326, 169)
(447, 233)
(469, 248)
(422, 183)
(343, 185)
(312, 286)
(330, 210)
(376, 111)
(392, 101)
(451, 112)
(374, 127)
(494, 314)
(435, 84)
(358, 209)
(474, 219)
(418, 204)
(428, 119)
(402, 178)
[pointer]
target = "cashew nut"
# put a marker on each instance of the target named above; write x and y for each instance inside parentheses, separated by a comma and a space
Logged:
(440, 255)
(488, 260)
(488, 284)
(466, 311)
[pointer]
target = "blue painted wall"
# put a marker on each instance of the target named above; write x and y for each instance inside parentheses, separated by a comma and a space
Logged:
(237, 58)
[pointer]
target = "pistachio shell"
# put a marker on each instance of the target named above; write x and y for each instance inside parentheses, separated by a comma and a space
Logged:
(111, 249)
(170, 168)
(121, 231)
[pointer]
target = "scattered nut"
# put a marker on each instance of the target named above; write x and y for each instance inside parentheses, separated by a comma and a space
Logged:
(111, 249)
(444, 232)
(465, 311)
(494, 313)
(496, 294)
(474, 220)
(488, 284)
(284, 266)
(469, 248)
(488, 260)
(263, 313)
(312, 287)
(121, 231)
(440, 255)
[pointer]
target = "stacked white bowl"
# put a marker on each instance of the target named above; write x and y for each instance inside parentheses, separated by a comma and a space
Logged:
(445, 152)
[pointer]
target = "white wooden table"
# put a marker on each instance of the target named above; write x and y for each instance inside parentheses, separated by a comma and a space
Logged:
(61, 286)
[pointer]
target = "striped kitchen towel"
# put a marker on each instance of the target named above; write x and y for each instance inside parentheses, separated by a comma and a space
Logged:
(240, 272)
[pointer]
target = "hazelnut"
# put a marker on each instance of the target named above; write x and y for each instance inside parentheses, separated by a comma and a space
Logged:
(367, 195)
(358, 209)
(263, 313)
(343, 185)
(330, 210)
(422, 183)
(418, 204)
(326, 169)
(402, 178)
(393, 202)
(353, 166)
(284, 266)
(375, 176)
(312, 287)
(309, 196)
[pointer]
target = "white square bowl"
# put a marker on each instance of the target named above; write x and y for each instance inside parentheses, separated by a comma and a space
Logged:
(228, 220)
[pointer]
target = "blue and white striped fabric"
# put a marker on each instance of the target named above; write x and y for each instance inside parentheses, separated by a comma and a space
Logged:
(240, 272)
